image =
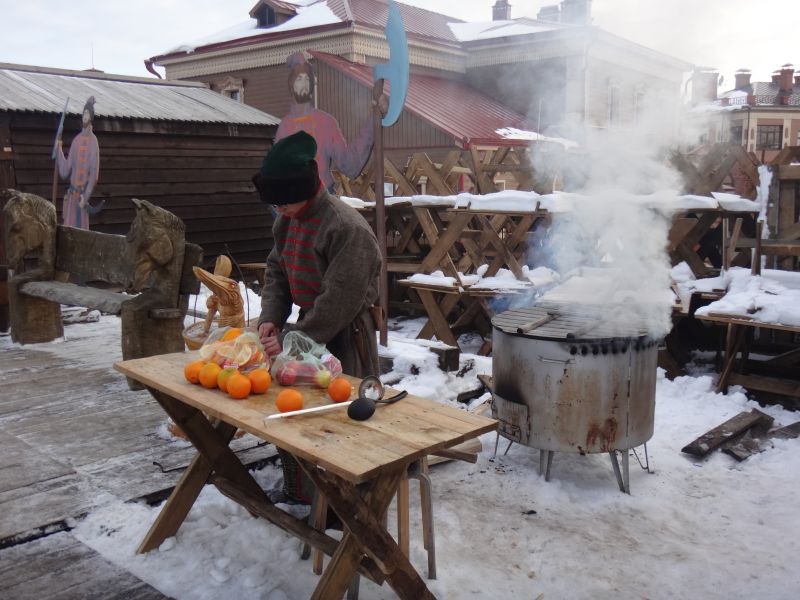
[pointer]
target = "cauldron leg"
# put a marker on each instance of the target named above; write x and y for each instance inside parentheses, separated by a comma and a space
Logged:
(545, 463)
(623, 478)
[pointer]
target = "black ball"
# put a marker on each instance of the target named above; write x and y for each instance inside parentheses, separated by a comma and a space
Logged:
(361, 409)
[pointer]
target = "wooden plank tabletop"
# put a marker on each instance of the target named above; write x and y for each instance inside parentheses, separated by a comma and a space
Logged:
(355, 450)
(748, 321)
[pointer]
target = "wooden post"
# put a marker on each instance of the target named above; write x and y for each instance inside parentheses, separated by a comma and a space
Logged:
(380, 209)
(756, 266)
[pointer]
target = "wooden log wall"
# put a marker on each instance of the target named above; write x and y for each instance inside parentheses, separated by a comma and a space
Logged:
(200, 172)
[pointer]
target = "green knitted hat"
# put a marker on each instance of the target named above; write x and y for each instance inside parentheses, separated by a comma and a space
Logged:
(289, 172)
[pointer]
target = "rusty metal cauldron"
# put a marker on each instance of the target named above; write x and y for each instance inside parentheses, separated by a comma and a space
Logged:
(564, 381)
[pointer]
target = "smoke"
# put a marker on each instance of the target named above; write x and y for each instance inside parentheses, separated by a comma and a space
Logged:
(610, 247)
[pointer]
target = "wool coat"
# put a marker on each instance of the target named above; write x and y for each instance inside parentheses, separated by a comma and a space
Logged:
(327, 261)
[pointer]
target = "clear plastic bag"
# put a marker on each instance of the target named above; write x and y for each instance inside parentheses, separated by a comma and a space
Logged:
(231, 347)
(304, 362)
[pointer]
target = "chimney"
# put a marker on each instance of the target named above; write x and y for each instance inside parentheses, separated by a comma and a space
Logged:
(704, 86)
(576, 12)
(785, 79)
(501, 11)
(742, 79)
(797, 78)
(776, 77)
(550, 13)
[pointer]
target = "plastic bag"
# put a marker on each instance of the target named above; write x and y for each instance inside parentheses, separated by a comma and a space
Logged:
(304, 362)
(232, 347)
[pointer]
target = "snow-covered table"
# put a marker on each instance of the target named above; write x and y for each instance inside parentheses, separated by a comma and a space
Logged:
(357, 465)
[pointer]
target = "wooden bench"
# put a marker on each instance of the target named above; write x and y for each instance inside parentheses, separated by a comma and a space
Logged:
(153, 264)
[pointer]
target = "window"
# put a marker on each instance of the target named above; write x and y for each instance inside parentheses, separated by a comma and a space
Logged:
(769, 137)
(233, 88)
(638, 106)
(613, 104)
(266, 16)
(736, 134)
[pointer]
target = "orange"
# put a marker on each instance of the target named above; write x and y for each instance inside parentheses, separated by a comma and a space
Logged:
(260, 380)
(192, 371)
(231, 334)
(222, 378)
(238, 386)
(340, 389)
(208, 375)
(289, 400)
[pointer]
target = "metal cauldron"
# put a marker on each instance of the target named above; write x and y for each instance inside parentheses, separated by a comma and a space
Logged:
(565, 382)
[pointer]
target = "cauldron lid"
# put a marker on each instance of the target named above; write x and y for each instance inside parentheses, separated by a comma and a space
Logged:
(558, 322)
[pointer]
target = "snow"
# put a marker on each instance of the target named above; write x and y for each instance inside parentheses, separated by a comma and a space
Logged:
(772, 297)
(309, 14)
(692, 529)
(468, 32)
(560, 202)
(511, 133)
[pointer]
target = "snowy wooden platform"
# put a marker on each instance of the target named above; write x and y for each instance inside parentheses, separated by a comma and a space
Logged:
(73, 437)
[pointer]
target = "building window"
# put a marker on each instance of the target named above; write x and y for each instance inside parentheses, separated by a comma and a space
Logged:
(266, 16)
(638, 106)
(613, 104)
(769, 137)
(736, 134)
(233, 88)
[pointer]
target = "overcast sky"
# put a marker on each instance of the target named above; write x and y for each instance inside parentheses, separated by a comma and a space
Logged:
(117, 36)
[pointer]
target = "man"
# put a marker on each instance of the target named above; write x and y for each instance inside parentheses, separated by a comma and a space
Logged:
(82, 166)
(332, 149)
(325, 259)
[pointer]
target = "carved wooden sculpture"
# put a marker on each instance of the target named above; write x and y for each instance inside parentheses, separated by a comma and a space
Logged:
(156, 247)
(225, 298)
(153, 260)
(30, 230)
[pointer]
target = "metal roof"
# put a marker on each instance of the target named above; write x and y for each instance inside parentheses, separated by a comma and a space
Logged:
(34, 89)
(470, 117)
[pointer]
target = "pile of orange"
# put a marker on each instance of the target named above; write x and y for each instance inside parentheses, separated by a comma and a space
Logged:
(238, 385)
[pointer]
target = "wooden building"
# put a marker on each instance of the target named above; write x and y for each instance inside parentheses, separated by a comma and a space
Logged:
(177, 144)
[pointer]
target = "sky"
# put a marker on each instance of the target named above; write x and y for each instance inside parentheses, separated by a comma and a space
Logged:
(116, 37)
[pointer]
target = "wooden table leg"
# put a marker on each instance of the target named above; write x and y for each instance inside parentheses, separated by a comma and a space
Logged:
(214, 455)
(182, 498)
(437, 318)
(362, 512)
(732, 345)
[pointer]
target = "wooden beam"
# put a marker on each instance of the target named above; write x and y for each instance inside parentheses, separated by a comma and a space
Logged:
(730, 429)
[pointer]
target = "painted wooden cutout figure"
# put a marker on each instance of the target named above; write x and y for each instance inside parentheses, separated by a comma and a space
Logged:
(332, 149)
(82, 166)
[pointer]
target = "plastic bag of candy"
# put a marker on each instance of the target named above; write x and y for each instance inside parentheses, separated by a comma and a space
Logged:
(233, 347)
(304, 362)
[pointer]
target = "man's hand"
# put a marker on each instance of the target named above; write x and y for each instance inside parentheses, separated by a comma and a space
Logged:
(82, 201)
(268, 334)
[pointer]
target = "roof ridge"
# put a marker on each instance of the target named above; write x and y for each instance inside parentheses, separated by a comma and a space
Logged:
(99, 75)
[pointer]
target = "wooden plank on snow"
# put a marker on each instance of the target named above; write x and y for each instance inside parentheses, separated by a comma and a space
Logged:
(730, 429)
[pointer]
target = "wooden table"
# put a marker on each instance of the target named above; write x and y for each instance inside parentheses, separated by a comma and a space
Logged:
(736, 339)
(441, 301)
(356, 465)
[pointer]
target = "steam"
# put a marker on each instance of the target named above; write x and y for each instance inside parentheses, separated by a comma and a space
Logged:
(611, 246)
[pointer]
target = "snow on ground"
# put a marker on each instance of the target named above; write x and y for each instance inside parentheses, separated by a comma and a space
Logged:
(692, 529)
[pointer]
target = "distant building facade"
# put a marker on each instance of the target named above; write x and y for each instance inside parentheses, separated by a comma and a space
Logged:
(763, 117)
